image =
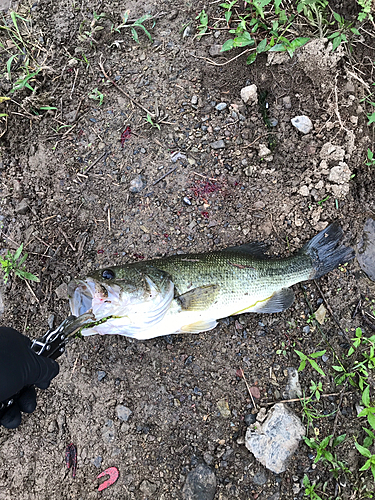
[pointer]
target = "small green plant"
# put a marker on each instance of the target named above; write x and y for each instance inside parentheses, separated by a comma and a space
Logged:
(94, 27)
(252, 24)
(97, 96)
(133, 26)
(323, 200)
(365, 10)
(316, 389)
(311, 359)
(151, 122)
(365, 451)
(310, 489)
(282, 350)
(203, 19)
(344, 27)
(10, 265)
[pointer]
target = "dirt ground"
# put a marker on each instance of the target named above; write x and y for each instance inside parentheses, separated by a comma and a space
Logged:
(79, 199)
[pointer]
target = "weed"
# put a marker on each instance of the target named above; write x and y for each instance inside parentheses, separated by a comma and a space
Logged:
(370, 158)
(133, 26)
(203, 19)
(252, 25)
(97, 96)
(311, 359)
(10, 265)
(89, 33)
(151, 122)
(365, 10)
(364, 450)
(282, 350)
(310, 489)
(323, 200)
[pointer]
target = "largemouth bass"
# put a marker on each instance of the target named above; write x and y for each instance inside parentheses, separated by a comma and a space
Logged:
(189, 293)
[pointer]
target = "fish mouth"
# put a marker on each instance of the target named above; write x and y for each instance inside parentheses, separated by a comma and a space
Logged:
(103, 299)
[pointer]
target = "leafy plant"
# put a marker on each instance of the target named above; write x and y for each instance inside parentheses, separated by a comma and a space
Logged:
(10, 265)
(151, 122)
(365, 451)
(253, 25)
(365, 10)
(339, 36)
(370, 158)
(310, 489)
(97, 96)
(203, 19)
(94, 27)
(133, 26)
(311, 359)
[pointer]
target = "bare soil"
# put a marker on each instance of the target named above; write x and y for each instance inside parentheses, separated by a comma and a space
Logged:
(66, 193)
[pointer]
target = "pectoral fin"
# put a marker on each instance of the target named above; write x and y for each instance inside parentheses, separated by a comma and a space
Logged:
(199, 299)
(279, 301)
(199, 326)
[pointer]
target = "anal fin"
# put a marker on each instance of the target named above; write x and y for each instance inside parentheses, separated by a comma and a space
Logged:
(199, 326)
(278, 302)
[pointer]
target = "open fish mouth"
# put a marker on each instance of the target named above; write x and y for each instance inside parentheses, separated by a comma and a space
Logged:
(103, 299)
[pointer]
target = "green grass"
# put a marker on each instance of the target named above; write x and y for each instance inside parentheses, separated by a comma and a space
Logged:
(14, 264)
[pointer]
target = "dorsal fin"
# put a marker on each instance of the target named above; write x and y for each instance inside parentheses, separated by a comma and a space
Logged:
(256, 248)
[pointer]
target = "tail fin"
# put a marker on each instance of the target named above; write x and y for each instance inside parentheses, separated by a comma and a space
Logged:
(326, 251)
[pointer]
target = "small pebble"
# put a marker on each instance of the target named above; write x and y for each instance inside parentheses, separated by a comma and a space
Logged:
(302, 123)
(97, 461)
(218, 144)
(306, 329)
(187, 201)
(194, 100)
(101, 375)
(221, 106)
(273, 122)
(325, 358)
(136, 185)
(287, 102)
(123, 412)
(249, 419)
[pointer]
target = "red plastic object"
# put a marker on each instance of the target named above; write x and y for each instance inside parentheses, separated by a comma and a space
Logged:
(125, 135)
(71, 458)
(113, 474)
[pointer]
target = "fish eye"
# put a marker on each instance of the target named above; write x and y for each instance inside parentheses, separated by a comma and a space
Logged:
(108, 274)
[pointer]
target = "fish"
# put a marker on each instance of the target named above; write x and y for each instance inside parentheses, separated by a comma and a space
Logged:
(189, 293)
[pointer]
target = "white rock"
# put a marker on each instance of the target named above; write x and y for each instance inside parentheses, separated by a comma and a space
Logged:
(331, 152)
(263, 151)
(302, 123)
(304, 191)
(274, 442)
(340, 190)
(340, 174)
(249, 94)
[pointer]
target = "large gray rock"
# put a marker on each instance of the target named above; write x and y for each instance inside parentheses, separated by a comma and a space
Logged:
(274, 442)
(366, 249)
(200, 484)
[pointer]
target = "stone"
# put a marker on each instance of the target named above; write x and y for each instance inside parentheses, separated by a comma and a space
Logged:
(320, 314)
(62, 291)
(340, 174)
(249, 94)
(136, 185)
(287, 103)
(366, 249)
(223, 406)
(148, 488)
(264, 151)
(302, 123)
(123, 412)
(304, 191)
(218, 144)
(331, 152)
(293, 387)
(260, 478)
(221, 106)
(274, 442)
(200, 484)
(108, 432)
(215, 50)
(23, 207)
(101, 375)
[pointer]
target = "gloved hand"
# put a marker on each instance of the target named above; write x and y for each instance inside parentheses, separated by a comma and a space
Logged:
(21, 368)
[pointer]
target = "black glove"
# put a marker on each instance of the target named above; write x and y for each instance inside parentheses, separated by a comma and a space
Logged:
(20, 370)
